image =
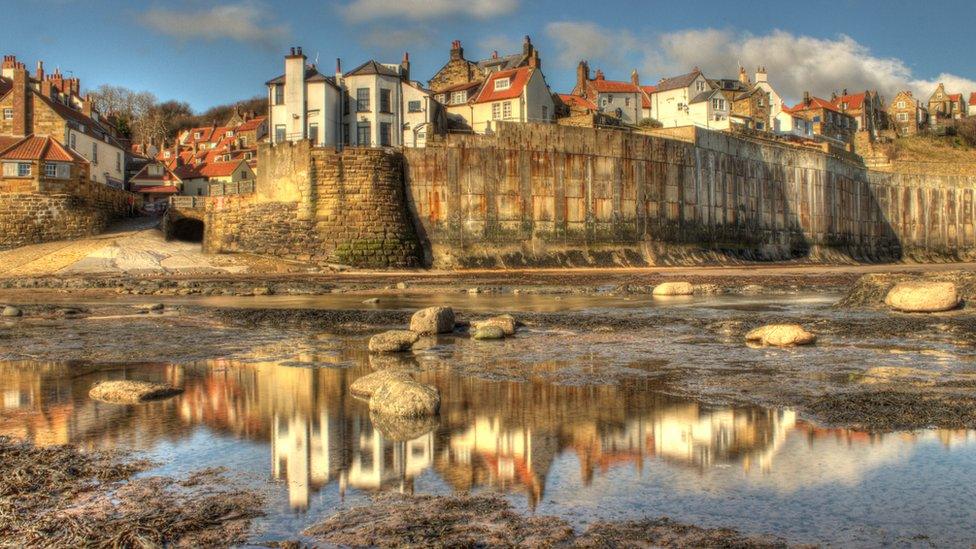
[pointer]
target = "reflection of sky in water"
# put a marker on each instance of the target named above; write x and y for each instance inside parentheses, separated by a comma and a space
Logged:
(586, 453)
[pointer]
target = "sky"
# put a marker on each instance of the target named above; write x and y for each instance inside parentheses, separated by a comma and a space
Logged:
(218, 51)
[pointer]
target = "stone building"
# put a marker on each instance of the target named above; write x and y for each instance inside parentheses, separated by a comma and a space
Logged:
(516, 95)
(827, 121)
(866, 107)
(28, 162)
(51, 105)
(622, 100)
(907, 116)
(155, 182)
(750, 103)
(945, 106)
(971, 110)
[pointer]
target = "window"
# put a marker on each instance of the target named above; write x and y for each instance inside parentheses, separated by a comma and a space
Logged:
(414, 106)
(362, 134)
(626, 101)
(545, 112)
(248, 156)
(718, 104)
(816, 119)
(196, 135)
(496, 111)
(229, 134)
(362, 99)
(94, 157)
(345, 134)
(118, 162)
(700, 85)
(155, 170)
(901, 104)
(507, 110)
(50, 169)
(23, 169)
(8, 114)
(457, 97)
(243, 140)
(760, 102)
(313, 132)
(503, 83)
(903, 116)
(385, 134)
(760, 126)
(279, 133)
(385, 101)
(279, 94)
(609, 99)
(72, 140)
(346, 105)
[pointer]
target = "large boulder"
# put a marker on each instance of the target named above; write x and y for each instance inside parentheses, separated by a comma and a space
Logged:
(923, 297)
(402, 429)
(10, 311)
(781, 335)
(506, 322)
(405, 398)
(433, 320)
(673, 289)
(394, 341)
(131, 392)
(370, 383)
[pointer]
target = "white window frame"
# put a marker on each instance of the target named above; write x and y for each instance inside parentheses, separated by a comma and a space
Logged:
(507, 110)
(8, 114)
(457, 98)
(503, 84)
(496, 111)
(24, 169)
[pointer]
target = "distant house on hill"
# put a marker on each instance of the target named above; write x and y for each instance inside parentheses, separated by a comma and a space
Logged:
(906, 114)
(751, 104)
(972, 104)
(689, 100)
(945, 106)
(156, 183)
(827, 121)
(866, 107)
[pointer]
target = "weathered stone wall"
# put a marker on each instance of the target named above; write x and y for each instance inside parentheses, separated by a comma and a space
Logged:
(549, 195)
(36, 211)
(319, 205)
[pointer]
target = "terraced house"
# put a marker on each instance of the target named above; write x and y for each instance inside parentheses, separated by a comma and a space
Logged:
(51, 105)
(906, 114)
(751, 104)
(622, 100)
(690, 100)
(945, 106)
(477, 94)
(866, 107)
(826, 120)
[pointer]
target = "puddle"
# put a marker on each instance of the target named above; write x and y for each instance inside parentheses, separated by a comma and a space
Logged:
(585, 453)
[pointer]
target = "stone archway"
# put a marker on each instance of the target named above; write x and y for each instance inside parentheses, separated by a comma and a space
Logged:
(187, 229)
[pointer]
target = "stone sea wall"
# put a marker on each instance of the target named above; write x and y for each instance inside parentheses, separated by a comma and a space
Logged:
(49, 210)
(319, 205)
(544, 195)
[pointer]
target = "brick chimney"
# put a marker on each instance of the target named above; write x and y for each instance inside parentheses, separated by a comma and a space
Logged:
(582, 75)
(806, 98)
(599, 75)
(528, 50)
(39, 71)
(47, 89)
(457, 52)
(635, 78)
(21, 93)
(743, 77)
(405, 67)
(761, 75)
(86, 105)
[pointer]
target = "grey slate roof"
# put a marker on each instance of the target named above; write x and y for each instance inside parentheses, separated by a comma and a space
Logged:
(311, 75)
(676, 82)
(372, 67)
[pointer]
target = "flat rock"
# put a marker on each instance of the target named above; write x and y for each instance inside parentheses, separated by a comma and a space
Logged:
(433, 320)
(488, 332)
(129, 391)
(673, 289)
(781, 335)
(369, 383)
(394, 341)
(405, 398)
(10, 311)
(923, 297)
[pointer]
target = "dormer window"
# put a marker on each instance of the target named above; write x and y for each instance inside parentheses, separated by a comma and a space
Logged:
(196, 135)
(458, 97)
(503, 84)
(229, 134)
(156, 170)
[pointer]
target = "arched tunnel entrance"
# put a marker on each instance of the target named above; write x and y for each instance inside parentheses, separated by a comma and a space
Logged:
(187, 229)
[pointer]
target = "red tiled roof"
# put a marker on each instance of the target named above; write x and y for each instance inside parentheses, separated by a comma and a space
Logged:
(143, 175)
(208, 169)
(39, 148)
(972, 99)
(251, 124)
(646, 96)
(815, 103)
(955, 97)
(577, 101)
(854, 101)
(92, 127)
(602, 85)
(519, 78)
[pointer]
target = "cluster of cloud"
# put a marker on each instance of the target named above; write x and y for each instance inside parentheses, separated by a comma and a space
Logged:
(246, 21)
(359, 11)
(795, 63)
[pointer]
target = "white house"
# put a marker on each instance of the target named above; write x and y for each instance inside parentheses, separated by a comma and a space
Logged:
(775, 101)
(384, 108)
(787, 123)
(689, 100)
(515, 95)
(303, 104)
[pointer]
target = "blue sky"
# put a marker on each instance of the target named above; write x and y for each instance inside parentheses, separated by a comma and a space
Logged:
(211, 52)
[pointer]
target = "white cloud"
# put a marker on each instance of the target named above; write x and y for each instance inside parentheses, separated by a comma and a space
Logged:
(795, 63)
(577, 41)
(245, 22)
(418, 10)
